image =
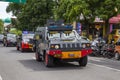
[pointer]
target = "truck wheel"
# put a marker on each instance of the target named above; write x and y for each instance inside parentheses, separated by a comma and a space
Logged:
(21, 49)
(117, 56)
(83, 61)
(38, 57)
(17, 48)
(49, 61)
(6, 45)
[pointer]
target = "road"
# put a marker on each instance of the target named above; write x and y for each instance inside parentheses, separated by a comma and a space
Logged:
(15, 65)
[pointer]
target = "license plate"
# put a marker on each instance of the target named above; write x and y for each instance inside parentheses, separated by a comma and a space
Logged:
(30, 46)
(71, 55)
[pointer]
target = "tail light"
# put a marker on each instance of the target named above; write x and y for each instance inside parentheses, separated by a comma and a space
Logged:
(25, 45)
(55, 53)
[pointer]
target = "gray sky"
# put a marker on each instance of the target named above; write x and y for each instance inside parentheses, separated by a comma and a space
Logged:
(3, 13)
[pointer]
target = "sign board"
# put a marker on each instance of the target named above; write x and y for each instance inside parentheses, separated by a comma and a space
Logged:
(15, 1)
(78, 27)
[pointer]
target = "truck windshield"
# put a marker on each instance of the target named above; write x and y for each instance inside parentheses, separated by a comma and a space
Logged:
(27, 36)
(54, 35)
(61, 35)
(68, 35)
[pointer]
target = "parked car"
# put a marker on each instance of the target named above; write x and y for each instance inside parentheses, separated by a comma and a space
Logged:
(10, 40)
(24, 42)
(1, 38)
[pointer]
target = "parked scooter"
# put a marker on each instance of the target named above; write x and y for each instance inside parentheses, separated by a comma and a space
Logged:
(97, 44)
(95, 51)
(108, 50)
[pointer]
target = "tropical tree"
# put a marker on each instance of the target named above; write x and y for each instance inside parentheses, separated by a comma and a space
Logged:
(89, 9)
(15, 8)
(35, 12)
(1, 25)
(32, 14)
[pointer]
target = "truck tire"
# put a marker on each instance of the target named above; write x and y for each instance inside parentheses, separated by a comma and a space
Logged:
(18, 48)
(83, 61)
(49, 62)
(37, 56)
(21, 49)
(6, 45)
(117, 56)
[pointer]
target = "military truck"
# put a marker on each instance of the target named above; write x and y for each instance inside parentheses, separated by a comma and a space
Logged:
(55, 43)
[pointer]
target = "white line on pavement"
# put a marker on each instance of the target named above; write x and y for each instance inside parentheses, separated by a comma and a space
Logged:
(1, 78)
(98, 60)
(105, 67)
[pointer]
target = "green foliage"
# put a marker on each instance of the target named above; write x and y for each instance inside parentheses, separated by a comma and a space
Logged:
(14, 8)
(32, 14)
(1, 26)
(35, 12)
(15, 31)
(71, 10)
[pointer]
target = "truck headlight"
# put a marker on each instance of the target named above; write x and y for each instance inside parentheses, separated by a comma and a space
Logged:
(57, 46)
(88, 45)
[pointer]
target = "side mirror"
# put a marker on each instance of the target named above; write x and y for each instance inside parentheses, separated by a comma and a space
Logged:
(20, 38)
(47, 41)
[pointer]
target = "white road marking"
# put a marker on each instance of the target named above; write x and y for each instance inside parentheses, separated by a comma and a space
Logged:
(1, 78)
(95, 59)
(96, 65)
(105, 67)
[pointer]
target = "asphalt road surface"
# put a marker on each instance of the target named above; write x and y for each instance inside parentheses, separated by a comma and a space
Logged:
(15, 65)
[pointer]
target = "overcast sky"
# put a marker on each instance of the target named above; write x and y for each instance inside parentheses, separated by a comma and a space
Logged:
(3, 13)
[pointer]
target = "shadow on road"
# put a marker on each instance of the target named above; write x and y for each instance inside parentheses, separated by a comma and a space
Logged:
(13, 51)
(16, 51)
(40, 66)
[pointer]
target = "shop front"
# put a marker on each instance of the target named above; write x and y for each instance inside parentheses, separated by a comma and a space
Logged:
(114, 29)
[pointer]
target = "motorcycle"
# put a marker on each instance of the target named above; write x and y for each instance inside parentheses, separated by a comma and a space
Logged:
(95, 51)
(108, 51)
(96, 47)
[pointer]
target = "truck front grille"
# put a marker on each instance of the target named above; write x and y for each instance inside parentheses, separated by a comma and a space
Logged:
(70, 45)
